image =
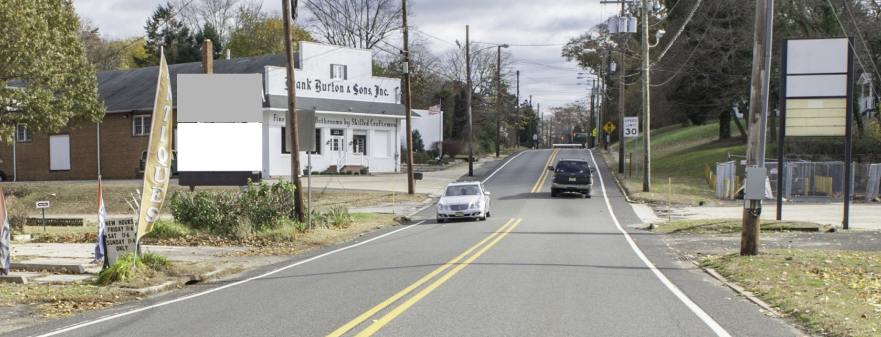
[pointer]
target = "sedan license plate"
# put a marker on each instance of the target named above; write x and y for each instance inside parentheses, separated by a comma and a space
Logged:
(459, 213)
(572, 179)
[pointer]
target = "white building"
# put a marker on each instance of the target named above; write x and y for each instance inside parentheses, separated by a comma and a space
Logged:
(430, 127)
(357, 115)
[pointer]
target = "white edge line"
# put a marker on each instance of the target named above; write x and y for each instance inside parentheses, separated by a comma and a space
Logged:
(500, 167)
(104, 319)
(709, 321)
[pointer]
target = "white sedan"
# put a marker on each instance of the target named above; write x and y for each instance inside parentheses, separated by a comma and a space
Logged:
(464, 200)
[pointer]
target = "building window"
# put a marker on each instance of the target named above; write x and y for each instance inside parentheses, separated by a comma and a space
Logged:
(286, 145)
(338, 72)
(59, 153)
(22, 134)
(359, 144)
(141, 125)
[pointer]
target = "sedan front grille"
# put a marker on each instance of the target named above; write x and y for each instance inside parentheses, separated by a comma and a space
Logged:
(458, 207)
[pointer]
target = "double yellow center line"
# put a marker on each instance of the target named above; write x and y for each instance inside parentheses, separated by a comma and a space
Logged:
(378, 324)
(544, 173)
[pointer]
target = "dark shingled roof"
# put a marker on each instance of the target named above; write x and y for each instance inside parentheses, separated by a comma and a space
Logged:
(338, 105)
(135, 89)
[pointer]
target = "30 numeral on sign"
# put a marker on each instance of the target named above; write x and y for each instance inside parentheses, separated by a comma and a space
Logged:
(631, 127)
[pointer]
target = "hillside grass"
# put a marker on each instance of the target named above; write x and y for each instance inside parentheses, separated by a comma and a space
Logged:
(679, 153)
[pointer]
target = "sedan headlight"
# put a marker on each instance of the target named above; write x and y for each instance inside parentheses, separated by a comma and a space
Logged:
(476, 204)
(443, 207)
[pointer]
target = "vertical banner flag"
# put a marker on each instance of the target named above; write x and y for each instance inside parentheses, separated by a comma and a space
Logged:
(5, 238)
(158, 167)
(102, 222)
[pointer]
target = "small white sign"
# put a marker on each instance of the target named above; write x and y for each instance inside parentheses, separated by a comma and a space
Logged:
(631, 127)
(42, 204)
(121, 237)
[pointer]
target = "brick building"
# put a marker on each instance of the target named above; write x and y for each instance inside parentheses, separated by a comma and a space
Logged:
(72, 153)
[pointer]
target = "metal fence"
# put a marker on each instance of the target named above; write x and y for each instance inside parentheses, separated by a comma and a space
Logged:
(727, 181)
(825, 180)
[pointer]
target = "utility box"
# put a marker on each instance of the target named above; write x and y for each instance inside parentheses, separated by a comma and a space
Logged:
(754, 187)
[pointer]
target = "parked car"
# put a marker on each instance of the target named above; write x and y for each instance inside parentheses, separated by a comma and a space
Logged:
(464, 200)
(571, 175)
(173, 162)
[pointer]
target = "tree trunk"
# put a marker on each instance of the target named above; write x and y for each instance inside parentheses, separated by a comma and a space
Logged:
(725, 124)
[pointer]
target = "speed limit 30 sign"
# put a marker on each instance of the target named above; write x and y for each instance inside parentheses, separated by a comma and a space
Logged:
(631, 127)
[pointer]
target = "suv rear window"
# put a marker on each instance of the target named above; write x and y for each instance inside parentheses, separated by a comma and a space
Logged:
(572, 167)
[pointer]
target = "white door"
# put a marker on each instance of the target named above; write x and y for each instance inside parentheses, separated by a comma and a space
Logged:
(338, 150)
(59, 153)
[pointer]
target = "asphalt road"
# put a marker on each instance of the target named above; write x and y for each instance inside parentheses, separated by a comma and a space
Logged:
(540, 266)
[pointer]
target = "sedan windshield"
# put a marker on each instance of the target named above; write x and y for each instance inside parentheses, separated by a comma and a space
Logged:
(453, 191)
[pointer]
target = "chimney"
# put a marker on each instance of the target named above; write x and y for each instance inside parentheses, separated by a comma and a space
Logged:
(207, 57)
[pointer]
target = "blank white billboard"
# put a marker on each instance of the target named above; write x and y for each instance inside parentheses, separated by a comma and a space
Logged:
(816, 86)
(816, 56)
(219, 147)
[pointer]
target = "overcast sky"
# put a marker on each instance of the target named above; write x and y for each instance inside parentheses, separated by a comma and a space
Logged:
(535, 29)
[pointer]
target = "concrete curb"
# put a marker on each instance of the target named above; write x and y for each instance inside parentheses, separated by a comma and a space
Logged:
(738, 289)
(69, 268)
(13, 279)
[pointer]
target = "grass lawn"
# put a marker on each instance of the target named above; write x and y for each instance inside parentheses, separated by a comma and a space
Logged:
(82, 198)
(678, 154)
(835, 293)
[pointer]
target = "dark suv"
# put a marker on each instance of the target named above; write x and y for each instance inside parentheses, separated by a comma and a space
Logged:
(571, 175)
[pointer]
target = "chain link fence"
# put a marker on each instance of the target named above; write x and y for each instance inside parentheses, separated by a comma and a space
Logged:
(805, 180)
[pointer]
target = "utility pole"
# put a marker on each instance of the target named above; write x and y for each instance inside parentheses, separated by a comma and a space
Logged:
(758, 115)
(621, 143)
(411, 186)
(517, 111)
(591, 125)
(292, 115)
(498, 96)
(468, 98)
(646, 100)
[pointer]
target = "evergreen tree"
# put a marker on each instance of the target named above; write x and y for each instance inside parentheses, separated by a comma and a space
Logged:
(418, 144)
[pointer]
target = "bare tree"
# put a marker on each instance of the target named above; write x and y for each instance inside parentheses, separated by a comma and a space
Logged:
(354, 23)
(222, 14)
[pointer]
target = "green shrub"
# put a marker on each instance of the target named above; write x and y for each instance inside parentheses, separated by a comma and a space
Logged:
(155, 261)
(338, 216)
(119, 271)
(235, 213)
(168, 229)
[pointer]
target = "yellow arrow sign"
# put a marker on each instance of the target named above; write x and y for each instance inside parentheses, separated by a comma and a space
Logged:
(609, 127)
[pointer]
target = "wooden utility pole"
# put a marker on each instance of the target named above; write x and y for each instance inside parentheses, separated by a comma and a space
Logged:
(646, 100)
(758, 115)
(622, 144)
(468, 98)
(411, 186)
(292, 114)
(498, 97)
